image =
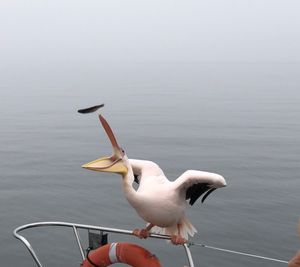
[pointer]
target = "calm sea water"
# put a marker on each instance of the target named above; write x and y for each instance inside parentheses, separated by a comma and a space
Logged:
(239, 120)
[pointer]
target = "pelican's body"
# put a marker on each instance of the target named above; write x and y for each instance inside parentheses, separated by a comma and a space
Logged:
(156, 200)
(160, 202)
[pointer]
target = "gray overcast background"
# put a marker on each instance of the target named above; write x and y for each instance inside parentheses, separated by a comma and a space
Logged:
(209, 85)
(36, 34)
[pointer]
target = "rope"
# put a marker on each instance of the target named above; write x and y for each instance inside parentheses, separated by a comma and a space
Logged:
(88, 250)
(238, 252)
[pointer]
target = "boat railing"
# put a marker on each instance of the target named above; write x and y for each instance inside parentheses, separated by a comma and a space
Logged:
(76, 227)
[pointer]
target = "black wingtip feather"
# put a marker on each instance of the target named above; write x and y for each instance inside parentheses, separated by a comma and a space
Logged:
(207, 194)
(90, 109)
(195, 191)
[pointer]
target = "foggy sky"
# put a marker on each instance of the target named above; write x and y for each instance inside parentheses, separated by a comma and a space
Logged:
(36, 32)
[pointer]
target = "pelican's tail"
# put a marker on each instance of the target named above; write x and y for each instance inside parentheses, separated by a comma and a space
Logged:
(185, 227)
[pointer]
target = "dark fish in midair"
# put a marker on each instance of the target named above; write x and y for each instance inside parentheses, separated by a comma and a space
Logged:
(90, 110)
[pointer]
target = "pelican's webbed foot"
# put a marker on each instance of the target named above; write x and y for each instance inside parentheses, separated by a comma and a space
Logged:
(178, 240)
(141, 233)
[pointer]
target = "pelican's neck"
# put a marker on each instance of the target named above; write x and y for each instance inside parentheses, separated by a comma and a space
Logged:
(129, 191)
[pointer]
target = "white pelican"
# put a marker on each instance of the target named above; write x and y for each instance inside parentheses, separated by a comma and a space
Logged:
(157, 200)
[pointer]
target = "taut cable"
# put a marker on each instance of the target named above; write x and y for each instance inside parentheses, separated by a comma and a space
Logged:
(238, 252)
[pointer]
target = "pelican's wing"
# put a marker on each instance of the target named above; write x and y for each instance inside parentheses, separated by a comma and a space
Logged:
(195, 183)
(145, 168)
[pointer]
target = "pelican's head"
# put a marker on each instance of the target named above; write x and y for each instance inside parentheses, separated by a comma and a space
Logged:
(117, 163)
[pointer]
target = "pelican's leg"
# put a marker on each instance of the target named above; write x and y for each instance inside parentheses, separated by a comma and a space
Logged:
(143, 233)
(178, 239)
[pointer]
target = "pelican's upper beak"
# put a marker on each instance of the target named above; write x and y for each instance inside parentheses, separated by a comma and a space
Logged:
(113, 163)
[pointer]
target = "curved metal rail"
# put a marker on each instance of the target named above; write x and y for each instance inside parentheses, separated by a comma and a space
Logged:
(75, 227)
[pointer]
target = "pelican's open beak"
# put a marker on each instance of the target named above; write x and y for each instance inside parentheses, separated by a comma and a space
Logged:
(113, 163)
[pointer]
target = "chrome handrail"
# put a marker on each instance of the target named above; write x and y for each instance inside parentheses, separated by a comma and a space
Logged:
(75, 227)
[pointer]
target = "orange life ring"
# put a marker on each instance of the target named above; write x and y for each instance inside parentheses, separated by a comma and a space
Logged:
(127, 253)
(295, 262)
